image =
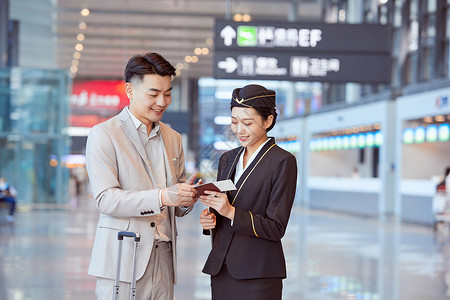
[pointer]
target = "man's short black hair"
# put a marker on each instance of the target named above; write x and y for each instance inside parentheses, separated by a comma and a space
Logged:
(150, 63)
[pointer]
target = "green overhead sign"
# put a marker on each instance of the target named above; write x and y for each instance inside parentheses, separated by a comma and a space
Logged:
(246, 36)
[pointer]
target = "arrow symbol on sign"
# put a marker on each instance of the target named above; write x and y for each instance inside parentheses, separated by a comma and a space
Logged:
(228, 34)
(229, 65)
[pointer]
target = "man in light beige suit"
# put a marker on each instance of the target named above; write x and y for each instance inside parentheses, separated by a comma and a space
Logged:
(136, 171)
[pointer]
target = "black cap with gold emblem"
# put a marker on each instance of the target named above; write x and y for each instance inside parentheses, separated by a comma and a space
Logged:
(253, 95)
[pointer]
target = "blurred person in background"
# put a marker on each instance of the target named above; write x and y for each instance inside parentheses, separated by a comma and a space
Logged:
(8, 195)
(136, 170)
(247, 259)
(443, 186)
(355, 173)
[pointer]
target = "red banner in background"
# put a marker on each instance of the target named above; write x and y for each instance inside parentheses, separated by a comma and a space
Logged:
(95, 101)
(97, 94)
(86, 120)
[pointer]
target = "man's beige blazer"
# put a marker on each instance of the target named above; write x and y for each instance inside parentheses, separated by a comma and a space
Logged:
(123, 187)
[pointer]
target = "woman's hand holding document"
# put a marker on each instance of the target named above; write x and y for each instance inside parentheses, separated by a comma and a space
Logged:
(218, 186)
(213, 197)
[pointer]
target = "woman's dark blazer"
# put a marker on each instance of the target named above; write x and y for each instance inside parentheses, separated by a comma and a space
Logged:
(251, 247)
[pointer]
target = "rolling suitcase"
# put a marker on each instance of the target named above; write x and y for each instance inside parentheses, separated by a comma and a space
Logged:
(137, 238)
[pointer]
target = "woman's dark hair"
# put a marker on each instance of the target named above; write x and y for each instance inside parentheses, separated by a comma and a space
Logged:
(150, 63)
(265, 112)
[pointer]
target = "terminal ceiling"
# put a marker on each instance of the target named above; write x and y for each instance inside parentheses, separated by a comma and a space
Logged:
(118, 29)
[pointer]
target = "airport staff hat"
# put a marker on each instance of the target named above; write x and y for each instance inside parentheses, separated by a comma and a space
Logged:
(253, 95)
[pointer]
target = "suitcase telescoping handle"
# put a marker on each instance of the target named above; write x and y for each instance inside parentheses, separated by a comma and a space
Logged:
(135, 235)
(137, 238)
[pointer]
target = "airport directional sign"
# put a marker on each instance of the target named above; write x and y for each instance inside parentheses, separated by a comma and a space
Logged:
(303, 67)
(303, 52)
(320, 37)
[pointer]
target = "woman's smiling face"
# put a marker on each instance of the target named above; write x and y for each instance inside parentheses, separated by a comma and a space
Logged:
(249, 126)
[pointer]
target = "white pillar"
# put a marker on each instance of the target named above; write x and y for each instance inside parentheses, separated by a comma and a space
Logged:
(389, 164)
(290, 100)
(352, 92)
(354, 15)
(305, 137)
(184, 89)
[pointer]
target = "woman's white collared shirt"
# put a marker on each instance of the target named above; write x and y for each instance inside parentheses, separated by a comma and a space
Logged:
(240, 165)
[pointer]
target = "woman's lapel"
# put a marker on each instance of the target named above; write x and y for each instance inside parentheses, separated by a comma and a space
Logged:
(242, 179)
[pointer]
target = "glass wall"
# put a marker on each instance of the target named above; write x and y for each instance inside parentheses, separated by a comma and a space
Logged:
(420, 52)
(34, 110)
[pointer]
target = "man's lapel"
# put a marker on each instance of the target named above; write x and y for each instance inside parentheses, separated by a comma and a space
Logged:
(171, 179)
(168, 156)
(130, 130)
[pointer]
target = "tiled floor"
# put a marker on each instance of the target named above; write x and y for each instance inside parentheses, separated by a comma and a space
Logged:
(45, 256)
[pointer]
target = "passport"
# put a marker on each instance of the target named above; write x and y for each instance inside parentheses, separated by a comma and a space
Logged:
(218, 186)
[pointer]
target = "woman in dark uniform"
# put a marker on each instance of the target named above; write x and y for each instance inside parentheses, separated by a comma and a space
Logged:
(247, 260)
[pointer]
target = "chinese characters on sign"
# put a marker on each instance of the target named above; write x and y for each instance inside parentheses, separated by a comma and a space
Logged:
(300, 66)
(303, 66)
(269, 36)
(307, 52)
(253, 65)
